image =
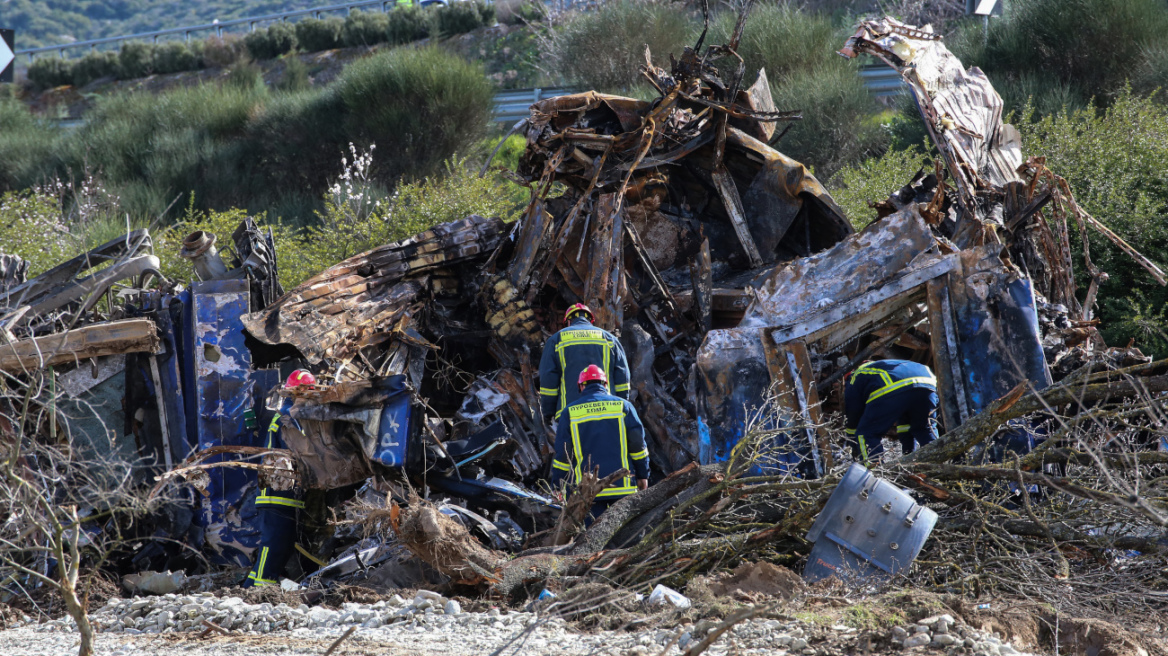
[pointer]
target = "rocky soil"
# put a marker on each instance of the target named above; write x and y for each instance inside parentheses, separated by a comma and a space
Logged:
(431, 624)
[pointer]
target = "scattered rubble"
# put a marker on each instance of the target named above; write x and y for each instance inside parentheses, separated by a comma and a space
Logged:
(742, 296)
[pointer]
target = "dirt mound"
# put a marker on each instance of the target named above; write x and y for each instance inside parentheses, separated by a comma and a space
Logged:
(753, 579)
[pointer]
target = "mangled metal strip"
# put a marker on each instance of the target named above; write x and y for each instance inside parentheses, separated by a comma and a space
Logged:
(943, 342)
(78, 344)
(733, 205)
(351, 303)
(91, 289)
(848, 270)
(64, 273)
(961, 109)
(827, 320)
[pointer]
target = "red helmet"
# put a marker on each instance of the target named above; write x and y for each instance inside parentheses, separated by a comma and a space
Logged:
(591, 374)
(299, 378)
(579, 307)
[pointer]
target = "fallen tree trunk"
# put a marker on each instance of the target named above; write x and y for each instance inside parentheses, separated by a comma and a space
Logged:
(983, 425)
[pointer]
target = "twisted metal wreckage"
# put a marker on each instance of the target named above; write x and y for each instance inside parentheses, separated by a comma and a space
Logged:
(733, 278)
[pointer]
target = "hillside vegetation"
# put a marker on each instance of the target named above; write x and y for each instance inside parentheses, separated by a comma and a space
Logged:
(53, 22)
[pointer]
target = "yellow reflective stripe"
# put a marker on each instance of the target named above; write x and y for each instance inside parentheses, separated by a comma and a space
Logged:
(563, 466)
(902, 429)
(622, 388)
(900, 384)
(262, 582)
(617, 491)
(264, 500)
(563, 390)
(872, 371)
(273, 427)
(259, 570)
(624, 448)
(850, 431)
(579, 452)
(547, 391)
(640, 455)
(863, 448)
(309, 556)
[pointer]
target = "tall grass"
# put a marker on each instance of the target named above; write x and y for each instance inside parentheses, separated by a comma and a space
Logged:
(603, 49)
(1089, 47)
(240, 144)
(782, 39)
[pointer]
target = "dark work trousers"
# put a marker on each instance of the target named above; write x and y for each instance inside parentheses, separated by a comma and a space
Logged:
(277, 541)
(913, 410)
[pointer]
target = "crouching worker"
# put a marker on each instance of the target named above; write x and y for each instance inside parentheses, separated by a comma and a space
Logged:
(600, 430)
(885, 393)
(277, 509)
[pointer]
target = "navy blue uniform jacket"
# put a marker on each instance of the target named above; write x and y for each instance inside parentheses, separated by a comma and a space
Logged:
(600, 429)
(569, 352)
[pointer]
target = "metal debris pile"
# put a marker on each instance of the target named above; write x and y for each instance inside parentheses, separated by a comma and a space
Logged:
(735, 282)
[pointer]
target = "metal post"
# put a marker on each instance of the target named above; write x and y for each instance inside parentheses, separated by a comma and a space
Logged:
(251, 26)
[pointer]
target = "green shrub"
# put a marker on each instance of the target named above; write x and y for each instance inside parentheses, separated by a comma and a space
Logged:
(408, 24)
(94, 66)
(28, 145)
(221, 52)
(840, 123)
(1114, 160)
(1152, 74)
(520, 12)
(872, 181)
(363, 28)
(1092, 46)
(781, 39)
(245, 74)
(136, 60)
(175, 57)
(278, 39)
(295, 77)
(457, 18)
(603, 49)
(314, 34)
(49, 72)
(487, 13)
(419, 105)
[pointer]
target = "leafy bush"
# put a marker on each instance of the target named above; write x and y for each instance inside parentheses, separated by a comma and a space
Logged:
(487, 13)
(220, 52)
(314, 34)
(295, 77)
(420, 104)
(781, 39)
(94, 66)
(407, 24)
(1092, 46)
(519, 12)
(456, 18)
(49, 72)
(872, 181)
(27, 145)
(363, 28)
(136, 60)
(603, 49)
(839, 124)
(1114, 161)
(278, 39)
(175, 57)
(34, 230)
(245, 74)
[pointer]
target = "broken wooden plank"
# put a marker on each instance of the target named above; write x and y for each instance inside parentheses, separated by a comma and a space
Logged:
(733, 204)
(129, 336)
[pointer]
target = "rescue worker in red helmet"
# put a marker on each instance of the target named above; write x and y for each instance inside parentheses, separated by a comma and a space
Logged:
(277, 509)
(568, 352)
(600, 430)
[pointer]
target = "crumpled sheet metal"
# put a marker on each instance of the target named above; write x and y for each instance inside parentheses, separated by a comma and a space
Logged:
(960, 107)
(358, 302)
(854, 266)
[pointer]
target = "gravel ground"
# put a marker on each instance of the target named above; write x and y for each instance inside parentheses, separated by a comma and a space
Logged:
(430, 625)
